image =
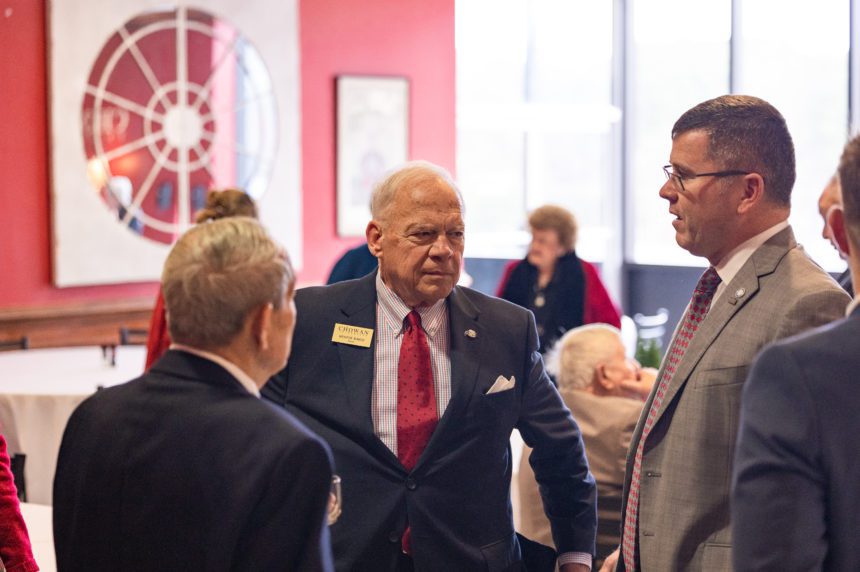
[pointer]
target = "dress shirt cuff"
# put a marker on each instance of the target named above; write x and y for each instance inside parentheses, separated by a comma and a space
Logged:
(574, 558)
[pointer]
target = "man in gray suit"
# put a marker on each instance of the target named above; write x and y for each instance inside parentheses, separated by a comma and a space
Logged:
(795, 501)
(728, 187)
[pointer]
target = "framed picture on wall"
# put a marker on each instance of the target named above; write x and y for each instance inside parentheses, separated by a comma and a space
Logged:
(372, 137)
(156, 104)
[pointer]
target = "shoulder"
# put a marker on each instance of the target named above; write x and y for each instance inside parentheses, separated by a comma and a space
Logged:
(346, 290)
(816, 345)
(800, 280)
(289, 428)
(798, 262)
(485, 304)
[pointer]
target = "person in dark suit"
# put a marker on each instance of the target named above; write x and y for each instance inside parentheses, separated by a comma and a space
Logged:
(417, 384)
(355, 263)
(185, 468)
(795, 499)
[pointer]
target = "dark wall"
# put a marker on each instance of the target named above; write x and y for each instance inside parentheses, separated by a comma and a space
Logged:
(649, 288)
(486, 273)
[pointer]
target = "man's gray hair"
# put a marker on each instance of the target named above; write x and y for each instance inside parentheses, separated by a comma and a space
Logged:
(748, 134)
(577, 354)
(216, 274)
(411, 175)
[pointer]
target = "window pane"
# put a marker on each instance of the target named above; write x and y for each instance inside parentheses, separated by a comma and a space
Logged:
(795, 55)
(678, 57)
(546, 139)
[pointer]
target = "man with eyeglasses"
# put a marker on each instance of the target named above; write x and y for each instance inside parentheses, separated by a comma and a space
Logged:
(729, 181)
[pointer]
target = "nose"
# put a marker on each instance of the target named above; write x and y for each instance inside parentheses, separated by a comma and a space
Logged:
(441, 247)
(668, 191)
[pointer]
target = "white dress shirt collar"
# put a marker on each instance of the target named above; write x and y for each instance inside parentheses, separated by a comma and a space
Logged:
(732, 263)
(395, 310)
(243, 378)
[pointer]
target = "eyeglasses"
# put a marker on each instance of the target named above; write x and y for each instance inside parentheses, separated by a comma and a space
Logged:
(670, 173)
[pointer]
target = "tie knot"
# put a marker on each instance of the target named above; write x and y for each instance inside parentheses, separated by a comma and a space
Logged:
(708, 282)
(413, 319)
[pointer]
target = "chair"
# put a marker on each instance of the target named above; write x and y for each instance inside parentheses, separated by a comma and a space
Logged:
(16, 463)
(649, 346)
(22, 343)
(609, 523)
(132, 336)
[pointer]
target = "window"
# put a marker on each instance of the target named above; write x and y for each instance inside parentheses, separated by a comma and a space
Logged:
(678, 57)
(535, 119)
(795, 55)
(538, 120)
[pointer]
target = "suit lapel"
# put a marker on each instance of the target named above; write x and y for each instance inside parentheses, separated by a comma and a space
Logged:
(464, 354)
(737, 293)
(356, 362)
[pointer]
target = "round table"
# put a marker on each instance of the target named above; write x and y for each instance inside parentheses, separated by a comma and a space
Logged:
(39, 390)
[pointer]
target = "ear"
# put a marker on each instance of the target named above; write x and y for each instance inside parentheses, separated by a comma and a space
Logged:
(261, 320)
(836, 221)
(753, 192)
(373, 232)
(601, 379)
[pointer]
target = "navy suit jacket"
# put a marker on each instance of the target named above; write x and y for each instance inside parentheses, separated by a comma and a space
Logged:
(183, 469)
(457, 498)
(796, 489)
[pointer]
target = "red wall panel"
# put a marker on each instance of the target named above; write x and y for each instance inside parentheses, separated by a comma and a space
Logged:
(411, 38)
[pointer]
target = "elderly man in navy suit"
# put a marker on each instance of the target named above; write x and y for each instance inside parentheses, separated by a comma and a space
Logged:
(795, 498)
(416, 384)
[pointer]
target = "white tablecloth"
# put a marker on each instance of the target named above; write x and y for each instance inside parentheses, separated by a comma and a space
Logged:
(39, 390)
(40, 529)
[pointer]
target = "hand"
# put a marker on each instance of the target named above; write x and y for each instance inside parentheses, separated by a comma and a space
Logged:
(611, 562)
(641, 387)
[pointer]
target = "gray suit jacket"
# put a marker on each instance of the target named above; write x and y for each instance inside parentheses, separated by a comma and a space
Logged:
(687, 460)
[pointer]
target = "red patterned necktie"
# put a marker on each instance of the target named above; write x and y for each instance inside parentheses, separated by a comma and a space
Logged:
(699, 305)
(416, 399)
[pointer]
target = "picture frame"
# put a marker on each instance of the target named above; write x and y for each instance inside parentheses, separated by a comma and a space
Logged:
(372, 138)
(152, 107)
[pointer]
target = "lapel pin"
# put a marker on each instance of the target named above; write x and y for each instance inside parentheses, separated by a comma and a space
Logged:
(471, 334)
(740, 292)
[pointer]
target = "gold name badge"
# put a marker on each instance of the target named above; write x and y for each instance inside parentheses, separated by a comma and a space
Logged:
(352, 335)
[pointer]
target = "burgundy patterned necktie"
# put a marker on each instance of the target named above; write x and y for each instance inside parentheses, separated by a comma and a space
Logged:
(699, 305)
(416, 399)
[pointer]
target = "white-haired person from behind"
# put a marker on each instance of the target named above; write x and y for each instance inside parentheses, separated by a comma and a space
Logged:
(605, 392)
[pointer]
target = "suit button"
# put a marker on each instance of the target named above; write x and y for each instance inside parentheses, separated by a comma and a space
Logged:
(393, 537)
(411, 484)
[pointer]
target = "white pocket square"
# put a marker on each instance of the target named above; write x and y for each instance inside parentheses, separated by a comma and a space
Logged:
(502, 384)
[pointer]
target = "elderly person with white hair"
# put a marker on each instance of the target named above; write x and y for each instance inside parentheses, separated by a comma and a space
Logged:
(603, 389)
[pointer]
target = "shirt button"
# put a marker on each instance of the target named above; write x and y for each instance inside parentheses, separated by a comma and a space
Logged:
(411, 484)
(393, 537)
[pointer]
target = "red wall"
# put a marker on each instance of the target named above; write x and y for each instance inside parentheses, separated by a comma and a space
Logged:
(411, 38)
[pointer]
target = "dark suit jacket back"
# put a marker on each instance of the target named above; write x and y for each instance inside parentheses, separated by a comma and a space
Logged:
(796, 498)
(183, 469)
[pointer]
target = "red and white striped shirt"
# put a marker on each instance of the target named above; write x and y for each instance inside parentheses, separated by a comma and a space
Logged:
(390, 313)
